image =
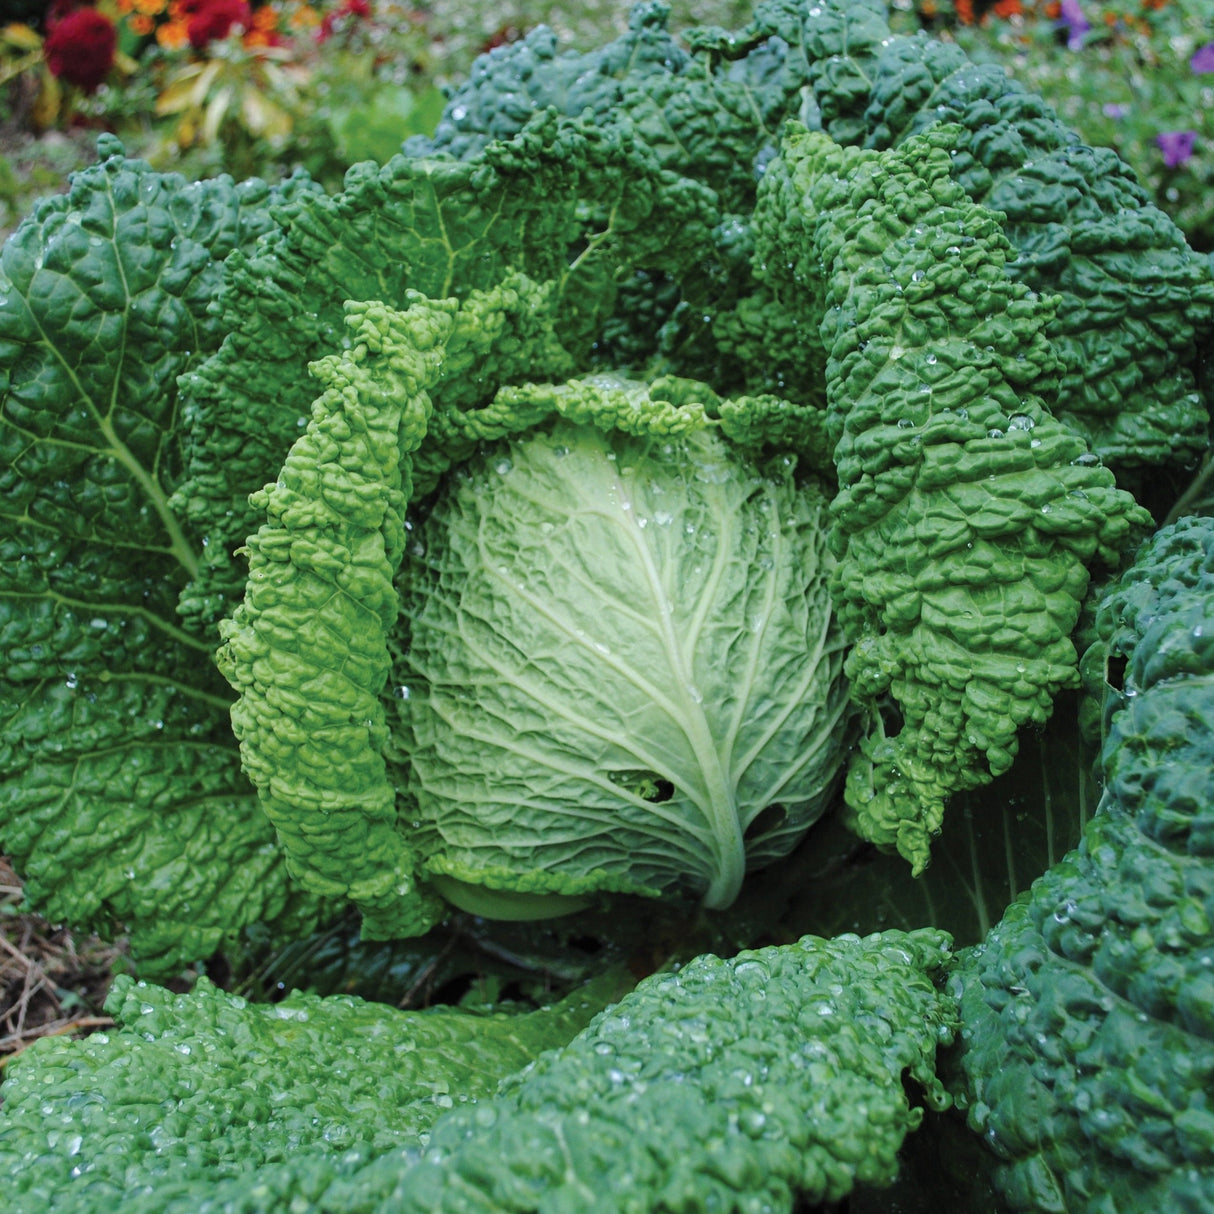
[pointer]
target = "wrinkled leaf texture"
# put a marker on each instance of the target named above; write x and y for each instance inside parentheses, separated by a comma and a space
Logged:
(123, 799)
(621, 668)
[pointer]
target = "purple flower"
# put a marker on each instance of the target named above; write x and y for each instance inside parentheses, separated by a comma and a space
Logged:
(1076, 23)
(1176, 146)
(1113, 109)
(1203, 59)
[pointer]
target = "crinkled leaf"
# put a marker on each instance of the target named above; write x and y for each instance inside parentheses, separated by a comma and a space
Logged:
(1087, 1047)
(966, 513)
(194, 1089)
(123, 802)
(781, 1075)
(1134, 299)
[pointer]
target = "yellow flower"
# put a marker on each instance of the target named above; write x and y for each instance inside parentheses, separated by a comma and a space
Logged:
(304, 17)
(150, 8)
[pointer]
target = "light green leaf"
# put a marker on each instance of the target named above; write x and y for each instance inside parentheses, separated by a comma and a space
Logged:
(620, 670)
(194, 1089)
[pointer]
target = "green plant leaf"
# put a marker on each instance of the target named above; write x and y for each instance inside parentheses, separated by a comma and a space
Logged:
(123, 801)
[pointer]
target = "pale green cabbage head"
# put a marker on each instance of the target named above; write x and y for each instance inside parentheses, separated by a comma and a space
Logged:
(623, 672)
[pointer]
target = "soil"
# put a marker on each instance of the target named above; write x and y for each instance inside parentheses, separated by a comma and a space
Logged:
(52, 982)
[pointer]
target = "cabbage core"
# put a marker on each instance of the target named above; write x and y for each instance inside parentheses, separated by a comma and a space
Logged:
(622, 671)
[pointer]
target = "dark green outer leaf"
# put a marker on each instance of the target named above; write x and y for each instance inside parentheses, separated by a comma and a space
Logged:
(1135, 300)
(966, 513)
(122, 781)
(1087, 1046)
(701, 116)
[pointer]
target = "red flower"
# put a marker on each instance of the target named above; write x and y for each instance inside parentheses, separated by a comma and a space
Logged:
(80, 48)
(209, 19)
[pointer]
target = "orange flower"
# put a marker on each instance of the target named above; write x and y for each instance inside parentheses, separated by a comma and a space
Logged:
(965, 11)
(141, 25)
(124, 6)
(149, 8)
(1009, 8)
(173, 35)
(263, 29)
(1053, 10)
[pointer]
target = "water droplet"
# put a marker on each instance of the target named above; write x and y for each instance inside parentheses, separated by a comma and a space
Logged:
(502, 466)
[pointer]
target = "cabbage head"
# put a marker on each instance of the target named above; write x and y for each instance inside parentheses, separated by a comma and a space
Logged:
(621, 671)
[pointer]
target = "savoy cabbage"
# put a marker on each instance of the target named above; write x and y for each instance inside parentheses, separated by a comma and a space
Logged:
(622, 669)
(567, 503)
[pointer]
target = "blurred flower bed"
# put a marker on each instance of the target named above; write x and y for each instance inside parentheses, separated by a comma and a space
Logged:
(259, 87)
(228, 85)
